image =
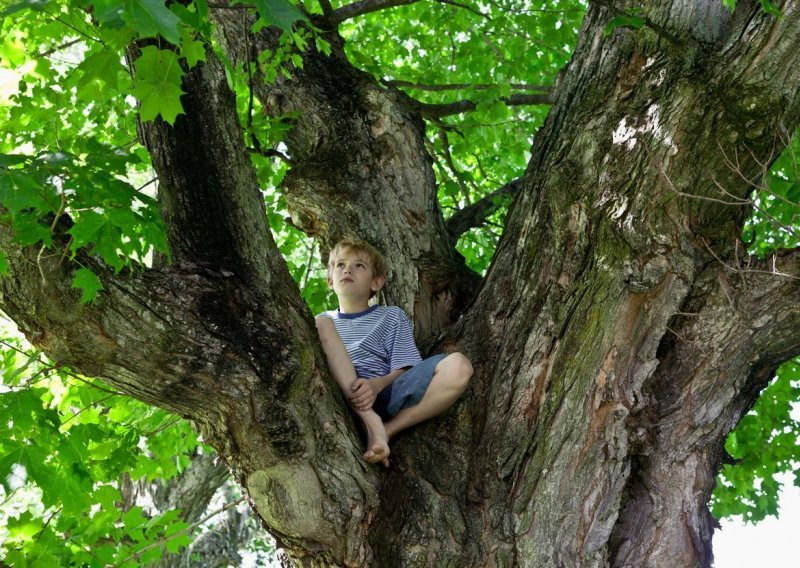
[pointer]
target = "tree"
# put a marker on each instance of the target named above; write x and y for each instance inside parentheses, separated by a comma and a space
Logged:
(620, 332)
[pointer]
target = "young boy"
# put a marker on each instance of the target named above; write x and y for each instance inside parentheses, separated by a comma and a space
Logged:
(372, 355)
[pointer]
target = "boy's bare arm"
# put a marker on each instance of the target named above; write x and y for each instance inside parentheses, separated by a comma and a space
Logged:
(365, 391)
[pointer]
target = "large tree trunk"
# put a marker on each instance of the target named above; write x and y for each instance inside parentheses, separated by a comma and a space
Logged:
(616, 338)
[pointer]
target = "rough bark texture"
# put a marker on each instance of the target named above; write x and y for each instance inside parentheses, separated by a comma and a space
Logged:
(616, 338)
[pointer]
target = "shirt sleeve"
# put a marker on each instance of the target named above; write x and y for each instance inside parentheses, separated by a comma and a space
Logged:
(400, 342)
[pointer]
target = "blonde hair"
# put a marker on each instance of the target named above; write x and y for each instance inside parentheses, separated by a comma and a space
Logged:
(379, 265)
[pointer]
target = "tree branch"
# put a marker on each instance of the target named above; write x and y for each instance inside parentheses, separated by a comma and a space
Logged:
(433, 111)
(474, 215)
(208, 191)
(365, 7)
(464, 86)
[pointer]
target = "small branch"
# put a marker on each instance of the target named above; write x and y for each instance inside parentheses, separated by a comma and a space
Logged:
(52, 50)
(152, 181)
(368, 6)
(164, 426)
(57, 369)
(465, 7)
(163, 541)
(449, 160)
(476, 214)
(73, 27)
(95, 403)
(272, 154)
(327, 9)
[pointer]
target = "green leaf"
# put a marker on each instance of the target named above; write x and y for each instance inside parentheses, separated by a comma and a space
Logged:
(194, 51)
(3, 264)
(104, 67)
(158, 84)
(8, 160)
(151, 18)
(322, 45)
(634, 22)
(20, 191)
(280, 13)
(37, 5)
(730, 4)
(28, 230)
(771, 8)
(87, 281)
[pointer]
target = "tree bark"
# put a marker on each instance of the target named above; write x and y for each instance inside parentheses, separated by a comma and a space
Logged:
(616, 339)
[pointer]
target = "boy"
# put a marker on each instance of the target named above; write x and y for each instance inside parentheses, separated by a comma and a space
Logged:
(372, 355)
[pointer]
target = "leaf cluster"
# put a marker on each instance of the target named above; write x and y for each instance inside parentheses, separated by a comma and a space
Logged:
(66, 442)
(764, 445)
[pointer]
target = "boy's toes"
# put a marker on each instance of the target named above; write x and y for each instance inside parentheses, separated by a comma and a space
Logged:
(377, 454)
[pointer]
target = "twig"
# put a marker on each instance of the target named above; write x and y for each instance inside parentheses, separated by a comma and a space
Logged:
(47, 523)
(55, 368)
(272, 153)
(308, 263)
(71, 26)
(189, 528)
(52, 50)
(465, 7)
(773, 272)
(449, 160)
(152, 181)
(671, 186)
(95, 403)
(164, 426)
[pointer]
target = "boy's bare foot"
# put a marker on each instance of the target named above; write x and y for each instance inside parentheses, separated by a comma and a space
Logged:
(377, 441)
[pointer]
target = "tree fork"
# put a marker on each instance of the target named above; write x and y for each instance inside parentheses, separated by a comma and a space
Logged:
(360, 168)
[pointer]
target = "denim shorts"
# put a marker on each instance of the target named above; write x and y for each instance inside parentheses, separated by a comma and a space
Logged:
(408, 389)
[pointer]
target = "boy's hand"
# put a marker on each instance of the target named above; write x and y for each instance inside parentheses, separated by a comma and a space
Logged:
(364, 392)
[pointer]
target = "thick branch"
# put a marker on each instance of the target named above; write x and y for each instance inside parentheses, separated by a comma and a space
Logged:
(458, 107)
(465, 86)
(474, 215)
(365, 7)
(210, 199)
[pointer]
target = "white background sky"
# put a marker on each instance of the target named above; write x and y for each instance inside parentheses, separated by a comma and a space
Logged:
(773, 543)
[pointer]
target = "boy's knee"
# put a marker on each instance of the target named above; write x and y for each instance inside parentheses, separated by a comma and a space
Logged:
(461, 368)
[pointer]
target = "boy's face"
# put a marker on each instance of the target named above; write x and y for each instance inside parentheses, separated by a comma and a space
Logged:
(352, 275)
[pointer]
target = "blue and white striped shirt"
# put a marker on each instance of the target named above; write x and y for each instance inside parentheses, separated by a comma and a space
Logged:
(379, 340)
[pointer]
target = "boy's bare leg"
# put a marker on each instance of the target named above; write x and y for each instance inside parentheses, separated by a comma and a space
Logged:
(449, 380)
(345, 374)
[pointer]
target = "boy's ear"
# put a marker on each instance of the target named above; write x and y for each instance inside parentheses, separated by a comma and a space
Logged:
(330, 281)
(377, 283)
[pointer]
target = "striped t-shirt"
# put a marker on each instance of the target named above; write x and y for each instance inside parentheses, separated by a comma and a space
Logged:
(379, 340)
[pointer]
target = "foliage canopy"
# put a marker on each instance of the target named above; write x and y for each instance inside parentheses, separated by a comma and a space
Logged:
(71, 92)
